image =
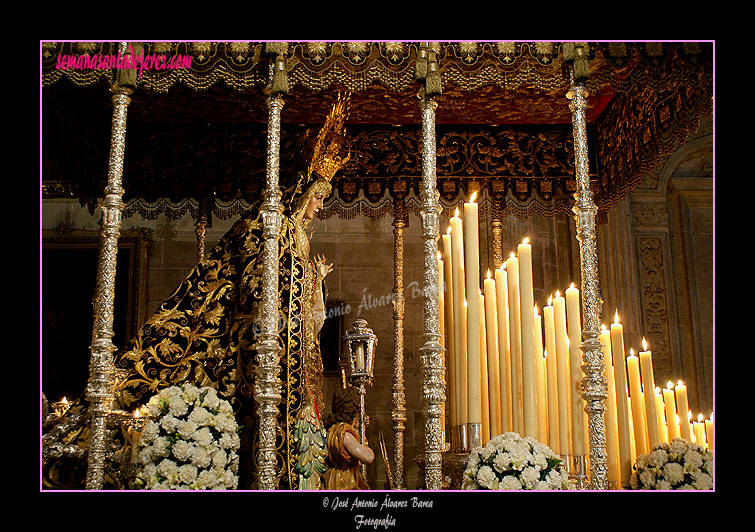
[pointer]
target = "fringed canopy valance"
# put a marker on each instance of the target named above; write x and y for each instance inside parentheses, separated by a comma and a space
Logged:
(503, 122)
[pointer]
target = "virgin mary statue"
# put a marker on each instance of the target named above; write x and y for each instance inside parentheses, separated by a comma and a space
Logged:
(207, 331)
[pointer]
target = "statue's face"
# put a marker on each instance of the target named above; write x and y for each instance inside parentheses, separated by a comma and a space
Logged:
(313, 206)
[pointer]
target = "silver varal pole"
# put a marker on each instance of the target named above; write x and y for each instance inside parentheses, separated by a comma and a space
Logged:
(267, 383)
(100, 391)
(398, 402)
(433, 386)
(594, 385)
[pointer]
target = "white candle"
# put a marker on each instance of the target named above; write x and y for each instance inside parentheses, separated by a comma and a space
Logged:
(669, 407)
(450, 337)
(574, 329)
(515, 337)
(551, 379)
(562, 365)
(709, 431)
(459, 317)
(648, 386)
(526, 297)
(611, 422)
(638, 407)
(484, 389)
(540, 379)
(504, 351)
(662, 429)
(359, 350)
(682, 408)
(699, 427)
(472, 278)
(623, 412)
(493, 358)
(442, 329)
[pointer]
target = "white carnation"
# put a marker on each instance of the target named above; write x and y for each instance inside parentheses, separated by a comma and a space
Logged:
(200, 416)
(657, 458)
(200, 457)
(187, 473)
(190, 393)
(169, 423)
(673, 472)
(202, 436)
(530, 476)
(487, 478)
(182, 450)
(510, 482)
(177, 406)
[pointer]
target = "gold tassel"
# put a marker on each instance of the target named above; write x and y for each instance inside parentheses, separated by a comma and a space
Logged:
(433, 85)
(280, 79)
(420, 70)
(576, 54)
(279, 83)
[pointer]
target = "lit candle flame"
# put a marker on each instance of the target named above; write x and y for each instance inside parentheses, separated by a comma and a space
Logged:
(448, 231)
(550, 300)
(137, 413)
(679, 383)
(526, 240)
(700, 418)
(644, 344)
(534, 308)
(572, 285)
(616, 317)
(488, 273)
(631, 352)
(603, 327)
(439, 255)
(558, 294)
(669, 385)
(457, 212)
(474, 195)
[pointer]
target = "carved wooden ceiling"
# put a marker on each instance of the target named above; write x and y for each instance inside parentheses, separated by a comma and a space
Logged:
(503, 119)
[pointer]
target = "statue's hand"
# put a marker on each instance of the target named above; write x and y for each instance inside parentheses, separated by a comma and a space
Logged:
(322, 269)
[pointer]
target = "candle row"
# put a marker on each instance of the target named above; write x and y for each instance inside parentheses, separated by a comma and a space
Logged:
(497, 345)
(639, 416)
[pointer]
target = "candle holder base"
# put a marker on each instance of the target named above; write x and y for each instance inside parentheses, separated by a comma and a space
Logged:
(459, 441)
(566, 461)
(474, 435)
(578, 473)
(615, 485)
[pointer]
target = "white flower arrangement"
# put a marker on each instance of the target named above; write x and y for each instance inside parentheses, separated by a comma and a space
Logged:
(679, 465)
(512, 462)
(190, 442)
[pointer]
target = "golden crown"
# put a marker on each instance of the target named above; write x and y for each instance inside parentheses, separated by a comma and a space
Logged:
(327, 158)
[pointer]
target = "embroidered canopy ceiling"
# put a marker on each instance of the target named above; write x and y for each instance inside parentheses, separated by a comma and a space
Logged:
(196, 135)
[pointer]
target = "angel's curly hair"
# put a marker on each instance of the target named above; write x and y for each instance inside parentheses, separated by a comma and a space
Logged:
(345, 406)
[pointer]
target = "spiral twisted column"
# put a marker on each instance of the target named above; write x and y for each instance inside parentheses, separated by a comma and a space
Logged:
(267, 377)
(100, 392)
(433, 386)
(594, 388)
(398, 401)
